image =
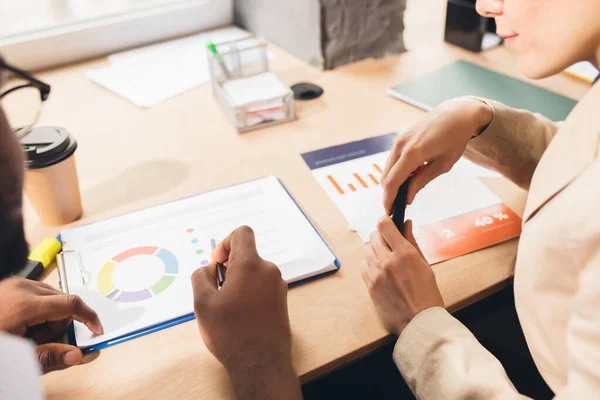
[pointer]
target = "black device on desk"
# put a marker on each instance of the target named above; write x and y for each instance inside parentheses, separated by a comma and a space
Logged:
(399, 208)
(466, 28)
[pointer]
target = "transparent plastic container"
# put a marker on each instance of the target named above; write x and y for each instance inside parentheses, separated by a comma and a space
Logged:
(242, 84)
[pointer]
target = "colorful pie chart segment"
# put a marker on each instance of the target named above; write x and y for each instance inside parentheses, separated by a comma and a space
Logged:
(109, 290)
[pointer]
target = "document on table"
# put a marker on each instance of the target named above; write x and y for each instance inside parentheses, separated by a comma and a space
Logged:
(455, 214)
(153, 74)
(135, 269)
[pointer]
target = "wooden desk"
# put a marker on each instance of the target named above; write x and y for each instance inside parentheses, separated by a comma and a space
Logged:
(130, 158)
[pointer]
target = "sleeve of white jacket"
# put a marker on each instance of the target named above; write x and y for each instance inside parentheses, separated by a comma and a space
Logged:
(583, 338)
(440, 358)
(513, 142)
(19, 369)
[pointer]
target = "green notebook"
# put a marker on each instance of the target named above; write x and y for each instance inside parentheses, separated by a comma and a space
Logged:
(463, 78)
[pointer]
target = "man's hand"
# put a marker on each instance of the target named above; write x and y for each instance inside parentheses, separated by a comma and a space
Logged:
(41, 312)
(400, 281)
(245, 325)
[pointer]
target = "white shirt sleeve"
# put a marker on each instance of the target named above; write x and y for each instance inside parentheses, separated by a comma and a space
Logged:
(19, 370)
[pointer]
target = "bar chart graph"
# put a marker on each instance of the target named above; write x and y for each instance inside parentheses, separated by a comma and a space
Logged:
(354, 185)
(375, 181)
(453, 215)
(371, 177)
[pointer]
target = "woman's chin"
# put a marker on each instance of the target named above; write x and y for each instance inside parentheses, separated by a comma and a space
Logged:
(537, 67)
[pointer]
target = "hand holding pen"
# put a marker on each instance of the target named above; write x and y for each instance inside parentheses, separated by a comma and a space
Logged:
(220, 268)
(246, 322)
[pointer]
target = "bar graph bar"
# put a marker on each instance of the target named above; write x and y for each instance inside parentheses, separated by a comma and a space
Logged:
(335, 184)
(361, 181)
(346, 181)
(375, 181)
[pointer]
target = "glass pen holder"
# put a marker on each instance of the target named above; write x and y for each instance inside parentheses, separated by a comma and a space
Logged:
(249, 93)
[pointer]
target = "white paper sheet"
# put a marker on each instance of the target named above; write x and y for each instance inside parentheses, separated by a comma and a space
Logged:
(137, 267)
(452, 216)
(455, 193)
(153, 74)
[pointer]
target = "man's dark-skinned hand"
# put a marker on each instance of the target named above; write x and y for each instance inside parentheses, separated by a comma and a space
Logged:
(245, 325)
(41, 312)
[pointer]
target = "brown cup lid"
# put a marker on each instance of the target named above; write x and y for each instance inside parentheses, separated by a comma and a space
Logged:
(45, 146)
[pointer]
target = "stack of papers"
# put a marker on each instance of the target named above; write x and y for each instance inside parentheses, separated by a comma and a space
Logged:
(455, 214)
(251, 89)
(153, 74)
(262, 93)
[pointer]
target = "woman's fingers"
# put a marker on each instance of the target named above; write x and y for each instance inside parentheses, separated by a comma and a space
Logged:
(408, 162)
(394, 155)
(370, 267)
(423, 176)
(379, 245)
(410, 237)
(390, 234)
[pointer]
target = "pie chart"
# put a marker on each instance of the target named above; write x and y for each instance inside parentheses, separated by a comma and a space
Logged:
(108, 289)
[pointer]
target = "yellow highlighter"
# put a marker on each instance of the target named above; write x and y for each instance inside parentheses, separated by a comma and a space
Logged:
(40, 258)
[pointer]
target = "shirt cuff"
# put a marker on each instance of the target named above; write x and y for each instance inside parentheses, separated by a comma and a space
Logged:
(485, 128)
(421, 337)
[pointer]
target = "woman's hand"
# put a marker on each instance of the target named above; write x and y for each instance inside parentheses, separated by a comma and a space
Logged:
(400, 281)
(433, 146)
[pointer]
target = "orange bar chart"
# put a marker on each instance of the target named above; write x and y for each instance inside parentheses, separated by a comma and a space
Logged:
(366, 179)
(335, 184)
(361, 181)
(375, 181)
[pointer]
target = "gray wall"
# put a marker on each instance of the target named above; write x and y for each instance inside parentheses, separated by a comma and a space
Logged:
(294, 25)
(327, 33)
(356, 29)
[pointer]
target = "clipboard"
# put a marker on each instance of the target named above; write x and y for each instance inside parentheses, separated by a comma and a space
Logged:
(79, 278)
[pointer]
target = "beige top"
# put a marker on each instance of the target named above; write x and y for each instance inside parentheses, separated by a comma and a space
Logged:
(557, 275)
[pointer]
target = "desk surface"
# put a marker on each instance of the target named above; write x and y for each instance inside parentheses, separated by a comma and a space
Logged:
(130, 158)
